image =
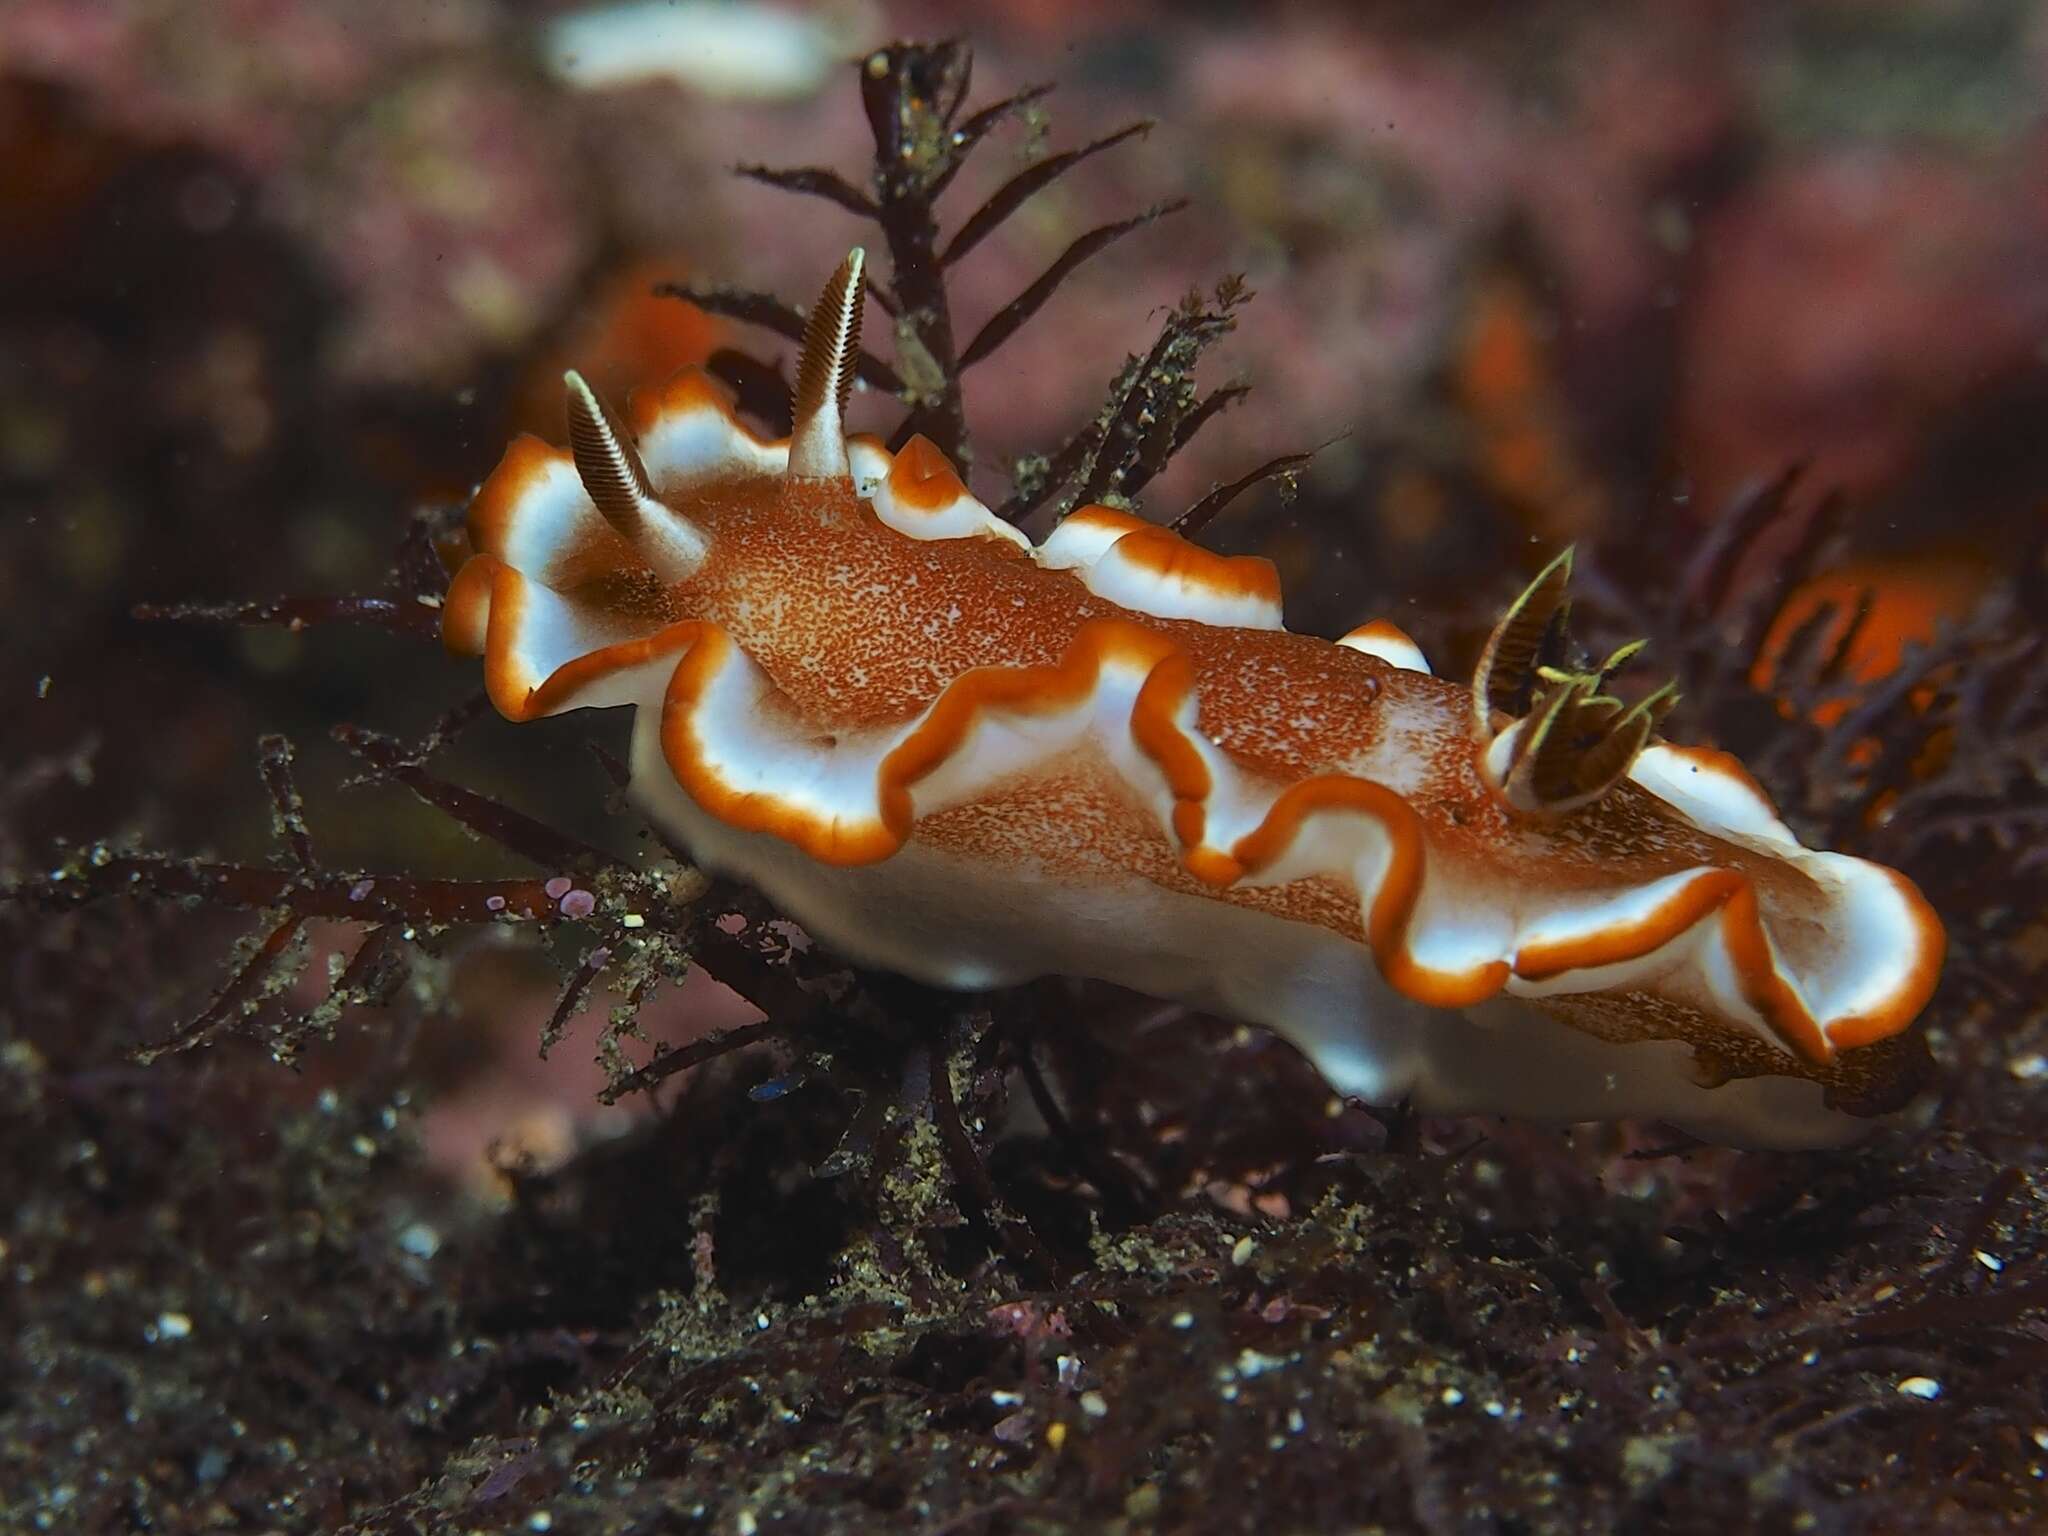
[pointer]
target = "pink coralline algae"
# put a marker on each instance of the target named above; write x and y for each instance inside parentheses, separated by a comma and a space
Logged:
(408, 157)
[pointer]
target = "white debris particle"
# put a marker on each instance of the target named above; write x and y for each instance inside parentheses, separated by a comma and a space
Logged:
(1493, 1408)
(632, 920)
(362, 1146)
(1295, 1422)
(2041, 1437)
(173, 1326)
(1242, 1250)
(1990, 1261)
(1094, 1404)
(1183, 1319)
(745, 1523)
(420, 1240)
(540, 1520)
(1922, 1387)
(761, 1321)
(2029, 1067)
(1004, 1399)
(1251, 1363)
(1452, 1397)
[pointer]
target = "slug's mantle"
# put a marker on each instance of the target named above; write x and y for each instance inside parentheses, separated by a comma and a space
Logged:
(972, 760)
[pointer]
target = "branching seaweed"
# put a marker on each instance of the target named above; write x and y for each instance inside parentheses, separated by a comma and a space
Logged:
(914, 96)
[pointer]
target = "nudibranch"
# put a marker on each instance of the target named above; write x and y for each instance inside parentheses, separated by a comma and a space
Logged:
(953, 754)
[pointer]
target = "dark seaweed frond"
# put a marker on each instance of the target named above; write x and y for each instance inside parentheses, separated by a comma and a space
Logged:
(913, 94)
(1152, 410)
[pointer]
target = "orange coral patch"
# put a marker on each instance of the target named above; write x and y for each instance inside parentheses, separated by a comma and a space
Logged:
(1907, 599)
(626, 336)
(1507, 383)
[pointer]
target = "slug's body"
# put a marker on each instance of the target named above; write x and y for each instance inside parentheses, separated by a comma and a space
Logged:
(956, 756)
